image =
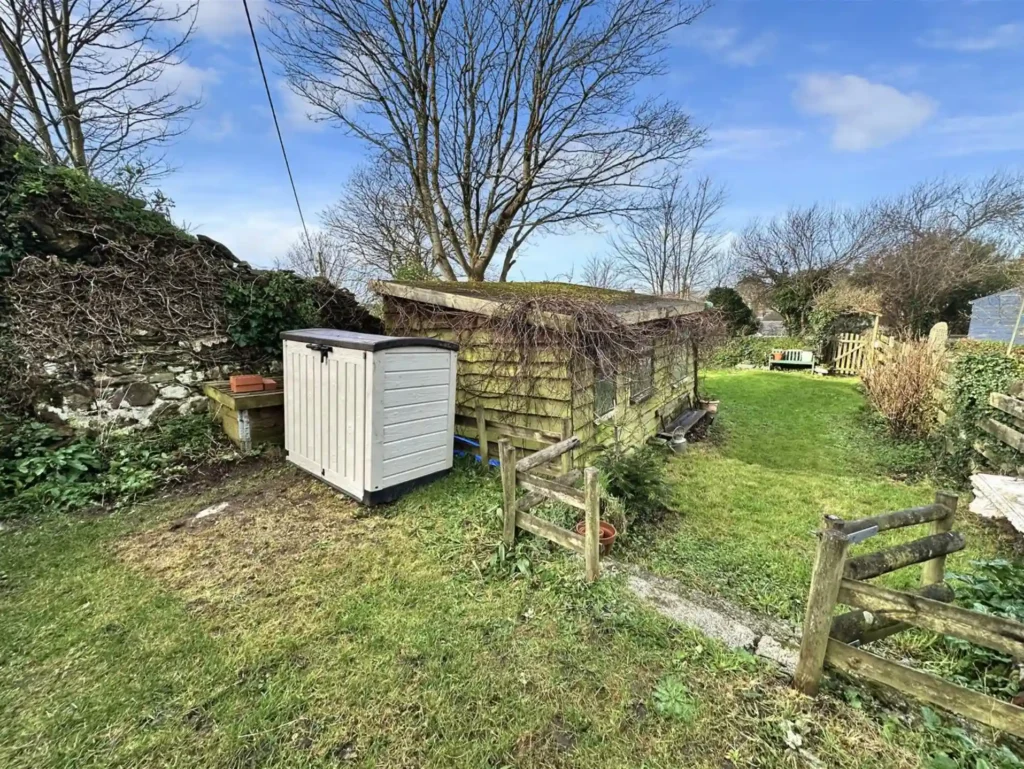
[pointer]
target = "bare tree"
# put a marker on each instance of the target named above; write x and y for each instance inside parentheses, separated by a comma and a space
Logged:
(506, 117)
(602, 272)
(798, 255)
(320, 256)
(673, 246)
(81, 79)
(942, 244)
(377, 222)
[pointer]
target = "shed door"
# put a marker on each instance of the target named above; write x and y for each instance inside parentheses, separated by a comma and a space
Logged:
(343, 415)
(325, 411)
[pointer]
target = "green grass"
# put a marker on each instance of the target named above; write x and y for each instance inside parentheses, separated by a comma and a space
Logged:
(297, 631)
(786, 449)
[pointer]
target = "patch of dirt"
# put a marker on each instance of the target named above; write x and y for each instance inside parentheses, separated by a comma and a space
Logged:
(270, 528)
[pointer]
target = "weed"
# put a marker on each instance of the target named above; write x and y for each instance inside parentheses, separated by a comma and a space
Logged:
(637, 479)
(673, 700)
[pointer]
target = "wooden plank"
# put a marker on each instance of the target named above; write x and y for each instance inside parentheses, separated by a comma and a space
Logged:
(986, 630)
(864, 627)
(510, 431)
(567, 456)
(548, 530)
(1007, 435)
(481, 433)
(897, 519)
(564, 494)
(219, 392)
(534, 498)
(508, 489)
(935, 570)
(1008, 404)
(592, 510)
(546, 455)
(894, 558)
(821, 601)
(928, 688)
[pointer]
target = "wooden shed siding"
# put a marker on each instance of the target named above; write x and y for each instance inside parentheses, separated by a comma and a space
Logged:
(993, 317)
(489, 377)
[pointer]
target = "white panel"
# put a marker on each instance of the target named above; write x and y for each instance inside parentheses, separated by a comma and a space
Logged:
(408, 462)
(407, 360)
(401, 380)
(299, 412)
(398, 414)
(412, 395)
(414, 444)
(343, 406)
(412, 427)
(419, 472)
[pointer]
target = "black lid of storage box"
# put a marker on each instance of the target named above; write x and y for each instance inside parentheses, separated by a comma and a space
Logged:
(353, 340)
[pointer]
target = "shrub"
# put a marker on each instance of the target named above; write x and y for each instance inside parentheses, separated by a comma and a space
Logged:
(637, 480)
(994, 587)
(977, 369)
(904, 389)
(43, 473)
(750, 349)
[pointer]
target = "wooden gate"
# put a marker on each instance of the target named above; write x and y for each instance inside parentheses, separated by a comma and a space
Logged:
(838, 641)
(851, 354)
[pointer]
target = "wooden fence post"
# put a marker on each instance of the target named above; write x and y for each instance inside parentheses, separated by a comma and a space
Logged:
(825, 580)
(934, 570)
(507, 457)
(481, 430)
(591, 544)
(567, 456)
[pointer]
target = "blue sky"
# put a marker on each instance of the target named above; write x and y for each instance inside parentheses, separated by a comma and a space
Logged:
(804, 101)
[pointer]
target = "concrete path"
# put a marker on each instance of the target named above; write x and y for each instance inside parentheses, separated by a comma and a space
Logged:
(713, 616)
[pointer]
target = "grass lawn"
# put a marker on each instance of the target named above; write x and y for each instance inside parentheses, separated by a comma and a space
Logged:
(295, 630)
(786, 450)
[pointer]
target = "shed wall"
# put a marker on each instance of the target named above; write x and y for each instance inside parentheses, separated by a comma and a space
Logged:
(993, 317)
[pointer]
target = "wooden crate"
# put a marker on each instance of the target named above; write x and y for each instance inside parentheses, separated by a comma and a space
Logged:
(248, 419)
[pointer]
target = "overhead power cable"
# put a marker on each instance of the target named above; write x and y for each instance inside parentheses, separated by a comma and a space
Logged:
(277, 124)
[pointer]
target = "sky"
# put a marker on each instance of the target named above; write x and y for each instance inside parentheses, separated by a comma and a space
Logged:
(803, 101)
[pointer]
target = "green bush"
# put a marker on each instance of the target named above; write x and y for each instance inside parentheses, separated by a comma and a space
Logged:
(260, 308)
(750, 349)
(993, 587)
(975, 372)
(42, 472)
(637, 480)
(738, 316)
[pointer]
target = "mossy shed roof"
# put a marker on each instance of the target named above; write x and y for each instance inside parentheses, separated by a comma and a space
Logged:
(488, 297)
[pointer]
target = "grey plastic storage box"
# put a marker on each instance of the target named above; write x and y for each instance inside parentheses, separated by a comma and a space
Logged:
(371, 415)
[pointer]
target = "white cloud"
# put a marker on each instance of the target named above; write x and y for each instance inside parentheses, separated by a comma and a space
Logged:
(970, 134)
(187, 80)
(214, 128)
(747, 142)
(865, 114)
(1009, 36)
(218, 19)
(728, 44)
(295, 111)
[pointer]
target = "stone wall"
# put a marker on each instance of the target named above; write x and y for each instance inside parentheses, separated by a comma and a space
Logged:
(153, 382)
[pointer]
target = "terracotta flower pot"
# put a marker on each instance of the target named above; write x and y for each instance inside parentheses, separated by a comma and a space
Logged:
(776, 356)
(606, 538)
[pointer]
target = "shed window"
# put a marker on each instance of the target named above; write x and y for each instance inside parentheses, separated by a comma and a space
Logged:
(604, 391)
(681, 365)
(641, 385)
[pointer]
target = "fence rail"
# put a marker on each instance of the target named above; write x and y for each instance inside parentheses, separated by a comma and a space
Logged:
(881, 612)
(516, 511)
(853, 353)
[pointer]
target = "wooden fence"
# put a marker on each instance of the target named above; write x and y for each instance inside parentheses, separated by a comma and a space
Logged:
(518, 475)
(1008, 429)
(853, 353)
(487, 433)
(881, 612)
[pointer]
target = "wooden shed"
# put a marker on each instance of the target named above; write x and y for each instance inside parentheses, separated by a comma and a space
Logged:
(539, 362)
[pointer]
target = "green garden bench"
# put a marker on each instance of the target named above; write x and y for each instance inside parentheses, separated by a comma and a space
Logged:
(791, 359)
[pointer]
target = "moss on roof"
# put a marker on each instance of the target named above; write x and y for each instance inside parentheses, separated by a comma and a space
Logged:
(524, 290)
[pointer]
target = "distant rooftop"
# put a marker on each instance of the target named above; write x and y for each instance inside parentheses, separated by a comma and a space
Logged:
(486, 298)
